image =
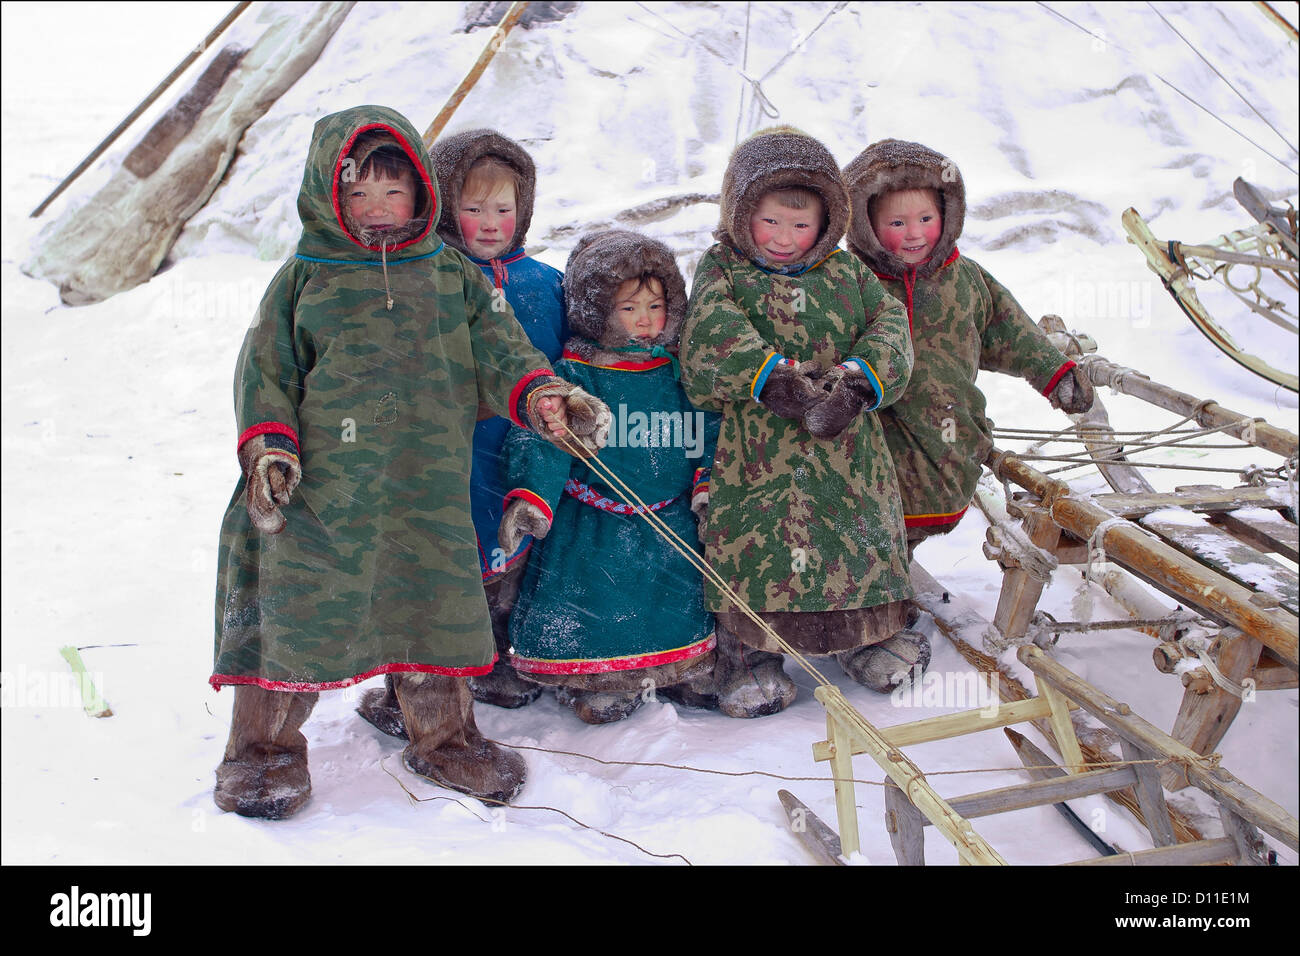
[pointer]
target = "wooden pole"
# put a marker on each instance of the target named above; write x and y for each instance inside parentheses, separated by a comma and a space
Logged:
(158, 90)
(457, 97)
(1208, 414)
(1278, 20)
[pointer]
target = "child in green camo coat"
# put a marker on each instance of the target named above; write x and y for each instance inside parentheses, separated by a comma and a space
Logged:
(797, 344)
(909, 203)
(347, 549)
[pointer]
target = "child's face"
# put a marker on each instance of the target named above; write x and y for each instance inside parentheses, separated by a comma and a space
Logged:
(782, 234)
(488, 223)
(379, 203)
(908, 224)
(639, 313)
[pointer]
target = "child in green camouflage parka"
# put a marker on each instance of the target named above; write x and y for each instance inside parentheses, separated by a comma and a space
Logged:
(909, 203)
(347, 550)
(797, 344)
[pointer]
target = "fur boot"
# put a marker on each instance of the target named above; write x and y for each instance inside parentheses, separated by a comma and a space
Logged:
(597, 706)
(700, 691)
(446, 746)
(504, 686)
(750, 683)
(885, 666)
(264, 773)
(379, 706)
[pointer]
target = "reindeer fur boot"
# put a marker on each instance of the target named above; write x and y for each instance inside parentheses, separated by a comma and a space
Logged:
(887, 665)
(379, 706)
(264, 773)
(750, 683)
(446, 746)
(599, 706)
(503, 686)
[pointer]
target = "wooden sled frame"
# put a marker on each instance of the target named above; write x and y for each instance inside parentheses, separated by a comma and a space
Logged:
(1256, 650)
(911, 804)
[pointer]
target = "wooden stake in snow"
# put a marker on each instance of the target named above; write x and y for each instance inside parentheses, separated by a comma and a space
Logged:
(90, 698)
(457, 97)
(144, 105)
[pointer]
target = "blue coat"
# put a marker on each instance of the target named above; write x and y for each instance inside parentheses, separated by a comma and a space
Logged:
(533, 291)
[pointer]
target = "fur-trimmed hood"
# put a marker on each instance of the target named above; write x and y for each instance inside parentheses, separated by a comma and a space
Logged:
(325, 231)
(775, 158)
(600, 262)
(891, 165)
(452, 158)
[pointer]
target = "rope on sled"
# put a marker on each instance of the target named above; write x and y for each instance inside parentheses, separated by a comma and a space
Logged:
(1143, 441)
(575, 448)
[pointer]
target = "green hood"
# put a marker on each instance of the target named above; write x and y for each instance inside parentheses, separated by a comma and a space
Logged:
(323, 233)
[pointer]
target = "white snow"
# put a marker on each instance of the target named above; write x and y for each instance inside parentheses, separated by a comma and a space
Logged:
(118, 437)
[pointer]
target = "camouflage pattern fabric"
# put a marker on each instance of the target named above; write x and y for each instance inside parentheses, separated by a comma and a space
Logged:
(376, 569)
(962, 320)
(797, 523)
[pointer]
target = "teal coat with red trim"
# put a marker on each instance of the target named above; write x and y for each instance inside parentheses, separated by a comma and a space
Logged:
(961, 320)
(375, 570)
(604, 591)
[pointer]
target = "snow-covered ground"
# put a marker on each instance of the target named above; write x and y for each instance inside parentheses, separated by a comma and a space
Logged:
(118, 434)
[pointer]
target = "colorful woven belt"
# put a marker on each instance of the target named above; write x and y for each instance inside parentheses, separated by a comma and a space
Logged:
(589, 496)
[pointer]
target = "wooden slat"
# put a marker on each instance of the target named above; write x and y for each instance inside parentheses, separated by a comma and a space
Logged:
(1266, 530)
(1234, 559)
(1217, 499)
(950, 725)
(1221, 850)
(1025, 795)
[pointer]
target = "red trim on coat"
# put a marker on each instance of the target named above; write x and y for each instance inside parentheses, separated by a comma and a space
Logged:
(532, 498)
(413, 156)
(269, 428)
(221, 680)
(630, 365)
(1060, 373)
(519, 387)
(929, 521)
(509, 565)
(908, 278)
(607, 664)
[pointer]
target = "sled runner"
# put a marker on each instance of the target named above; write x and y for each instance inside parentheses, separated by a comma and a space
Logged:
(1265, 252)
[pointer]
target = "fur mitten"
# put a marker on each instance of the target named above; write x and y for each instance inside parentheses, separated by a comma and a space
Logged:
(700, 508)
(273, 473)
(848, 391)
(1073, 393)
(792, 389)
(586, 416)
(521, 518)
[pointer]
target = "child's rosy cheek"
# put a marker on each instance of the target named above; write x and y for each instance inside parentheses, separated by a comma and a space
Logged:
(508, 227)
(468, 228)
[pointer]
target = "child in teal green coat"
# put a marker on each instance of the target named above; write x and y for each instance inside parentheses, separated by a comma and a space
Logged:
(608, 610)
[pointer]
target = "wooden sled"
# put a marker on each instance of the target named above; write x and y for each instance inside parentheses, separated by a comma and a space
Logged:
(911, 804)
(1218, 566)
